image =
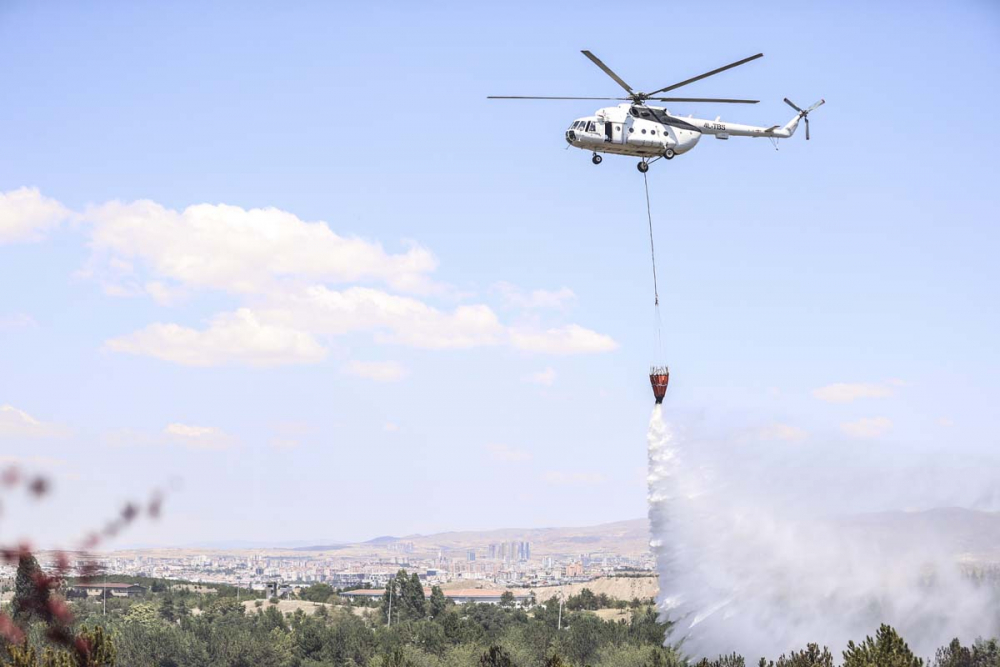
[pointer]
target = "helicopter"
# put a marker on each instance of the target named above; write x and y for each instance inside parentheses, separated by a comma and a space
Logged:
(650, 132)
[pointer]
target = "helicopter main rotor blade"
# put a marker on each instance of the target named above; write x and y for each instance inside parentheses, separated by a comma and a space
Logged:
(608, 71)
(529, 97)
(708, 74)
(703, 99)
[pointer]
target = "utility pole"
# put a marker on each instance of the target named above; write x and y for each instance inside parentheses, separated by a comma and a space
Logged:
(560, 609)
(391, 586)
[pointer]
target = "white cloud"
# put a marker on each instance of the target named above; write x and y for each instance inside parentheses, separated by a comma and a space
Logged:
(843, 392)
(199, 437)
(516, 297)
(25, 215)
(946, 422)
(380, 371)
(279, 266)
(16, 423)
(507, 454)
(558, 478)
(284, 443)
(390, 427)
(785, 432)
(544, 377)
(413, 323)
(570, 339)
(394, 319)
(868, 427)
(164, 294)
(17, 321)
(283, 331)
(238, 337)
(245, 251)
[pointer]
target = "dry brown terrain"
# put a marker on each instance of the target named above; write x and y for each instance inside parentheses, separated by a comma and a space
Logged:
(619, 538)
(286, 606)
(620, 588)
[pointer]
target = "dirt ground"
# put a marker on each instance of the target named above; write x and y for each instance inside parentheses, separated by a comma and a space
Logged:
(621, 588)
(614, 614)
(287, 606)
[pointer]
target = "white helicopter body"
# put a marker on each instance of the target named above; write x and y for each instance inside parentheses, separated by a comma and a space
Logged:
(647, 131)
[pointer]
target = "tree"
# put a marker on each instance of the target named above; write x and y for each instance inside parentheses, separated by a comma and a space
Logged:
(983, 653)
(812, 656)
(887, 649)
(585, 636)
(415, 597)
(438, 602)
(30, 599)
(317, 593)
(953, 655)
(496, 657)
(507, 600)
(94, 648)
(406, 594)
(732, 660)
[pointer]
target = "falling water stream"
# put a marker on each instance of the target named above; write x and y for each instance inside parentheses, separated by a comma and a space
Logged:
(742, 569)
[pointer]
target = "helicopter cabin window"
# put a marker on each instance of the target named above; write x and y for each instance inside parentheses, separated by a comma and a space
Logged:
(591, 127)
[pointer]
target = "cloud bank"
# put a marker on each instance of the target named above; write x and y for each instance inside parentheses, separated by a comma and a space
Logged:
(297, 285)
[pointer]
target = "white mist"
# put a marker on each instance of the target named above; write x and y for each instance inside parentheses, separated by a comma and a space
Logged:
(750, 562)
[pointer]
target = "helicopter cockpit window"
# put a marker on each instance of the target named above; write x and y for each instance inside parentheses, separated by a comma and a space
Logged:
(591, 127)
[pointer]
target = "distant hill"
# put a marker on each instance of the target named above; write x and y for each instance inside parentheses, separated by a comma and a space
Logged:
(971, 534)
(956, 531)
(620, 537)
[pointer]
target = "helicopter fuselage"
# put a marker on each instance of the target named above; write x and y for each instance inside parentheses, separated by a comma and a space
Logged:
(647, 131)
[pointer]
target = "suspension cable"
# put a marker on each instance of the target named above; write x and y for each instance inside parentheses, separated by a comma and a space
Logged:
(652, 250)
(652, 255)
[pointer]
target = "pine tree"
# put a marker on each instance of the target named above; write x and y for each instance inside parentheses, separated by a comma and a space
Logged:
(438, 601)
(415, 598)
(496, 657)
(887, 649)
(30, 599)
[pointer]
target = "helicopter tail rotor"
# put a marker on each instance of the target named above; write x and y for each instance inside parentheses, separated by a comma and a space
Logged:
(804, 113)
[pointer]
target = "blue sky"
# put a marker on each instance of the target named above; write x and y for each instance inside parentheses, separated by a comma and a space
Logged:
(863, 258)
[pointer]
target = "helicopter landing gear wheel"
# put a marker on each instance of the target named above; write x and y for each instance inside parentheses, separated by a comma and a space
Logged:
(597, 159)
(642, 166)
(669, 154)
